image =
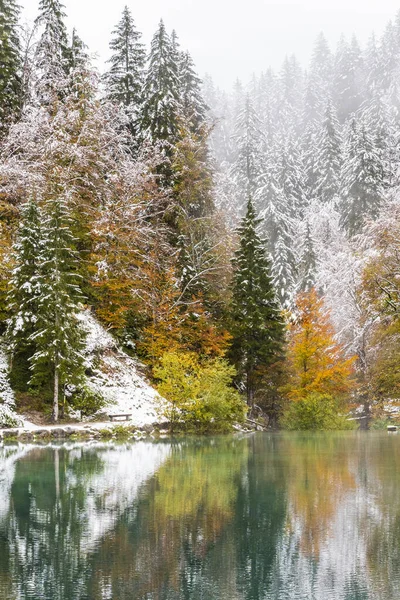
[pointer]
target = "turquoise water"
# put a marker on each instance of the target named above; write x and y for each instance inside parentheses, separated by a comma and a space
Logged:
(268, 516)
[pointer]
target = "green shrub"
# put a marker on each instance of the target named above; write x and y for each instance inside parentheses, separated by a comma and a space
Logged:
(87, 401)
(199, 394)
(315, 412)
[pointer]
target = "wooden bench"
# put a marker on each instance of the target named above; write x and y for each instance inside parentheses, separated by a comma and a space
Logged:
(126, 416)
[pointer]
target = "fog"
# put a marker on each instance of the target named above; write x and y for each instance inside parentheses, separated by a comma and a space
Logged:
(231, 38)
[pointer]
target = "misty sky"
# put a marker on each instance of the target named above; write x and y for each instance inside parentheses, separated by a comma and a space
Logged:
(231, 38)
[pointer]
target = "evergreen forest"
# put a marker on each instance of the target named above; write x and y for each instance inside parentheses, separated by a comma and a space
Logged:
(242, 245)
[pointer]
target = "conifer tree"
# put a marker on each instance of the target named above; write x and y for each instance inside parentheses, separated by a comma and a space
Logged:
(161, 106)
(194, 107)
(78, 57)
(59, 337)
(362, 179)
(52, 52)
(11, 65)
(308, 262)
(256, 324)
(246, 168)
(328, 158)
(24, 285)
(124, 80)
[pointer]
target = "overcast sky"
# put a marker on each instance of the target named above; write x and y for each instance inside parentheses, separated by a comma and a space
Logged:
(231, 38)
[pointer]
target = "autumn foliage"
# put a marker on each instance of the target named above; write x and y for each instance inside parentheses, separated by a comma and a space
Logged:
(317, 363)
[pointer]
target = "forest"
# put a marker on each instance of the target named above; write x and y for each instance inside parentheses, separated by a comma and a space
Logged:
(243, 245)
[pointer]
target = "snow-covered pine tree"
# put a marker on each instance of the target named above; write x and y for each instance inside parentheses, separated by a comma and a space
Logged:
(347, 78)
(11, 65)
(256, 324)
(161, 109)
(52, 52)
(362, 181)
(59, 336)
(194, 107)
(78, 57)
(318, 81)
(246, 168)
(328, 157)
(24, 284)
(308, 262)
(125, 77)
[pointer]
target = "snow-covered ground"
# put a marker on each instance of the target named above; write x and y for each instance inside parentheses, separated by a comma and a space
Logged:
(117, 378)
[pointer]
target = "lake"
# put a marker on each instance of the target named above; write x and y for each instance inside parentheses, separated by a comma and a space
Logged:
(280, 516)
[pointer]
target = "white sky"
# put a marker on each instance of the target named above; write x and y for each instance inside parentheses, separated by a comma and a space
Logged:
(231, 38)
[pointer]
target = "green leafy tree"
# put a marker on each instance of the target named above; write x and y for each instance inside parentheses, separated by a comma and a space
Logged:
(256, 323)
(59, 336)
(11, 64)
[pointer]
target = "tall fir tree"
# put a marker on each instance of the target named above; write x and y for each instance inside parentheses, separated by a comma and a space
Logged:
(161, 110)
(256, 324)
(194, 107)
(362, 179)
(328, 157)
(308, 262)
(24, 284)
(246, 167)
(52, 51)
(125, 77)
(59, 337)
(11, 65)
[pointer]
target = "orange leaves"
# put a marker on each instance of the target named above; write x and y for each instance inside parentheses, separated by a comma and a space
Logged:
(316, 360)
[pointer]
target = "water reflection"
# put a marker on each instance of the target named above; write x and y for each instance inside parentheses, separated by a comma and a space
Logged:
(275, 517)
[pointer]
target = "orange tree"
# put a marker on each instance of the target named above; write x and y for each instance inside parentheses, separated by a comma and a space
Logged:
(320, 376)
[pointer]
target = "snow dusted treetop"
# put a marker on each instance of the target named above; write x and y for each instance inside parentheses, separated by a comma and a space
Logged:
(51, 56)
(328, 156)
(11, 64)
(124, 80)
(247, 137)
(362, 179)
(161, 106)
(193, 104)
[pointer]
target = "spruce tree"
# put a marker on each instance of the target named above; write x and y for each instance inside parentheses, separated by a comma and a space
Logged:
(77, 55)
(308, 262)
(246, 168)
(362, 179)
(161, 109)
(52, 52)
(256, 324)
(11, 65)
(59, 337)
(124, 79)
(24, 284)
(194, 107)
(328, 157)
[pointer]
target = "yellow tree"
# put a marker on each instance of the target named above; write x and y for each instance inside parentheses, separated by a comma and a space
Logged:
(317, 363)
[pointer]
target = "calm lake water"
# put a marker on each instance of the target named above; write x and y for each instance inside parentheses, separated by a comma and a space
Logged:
(268, 516)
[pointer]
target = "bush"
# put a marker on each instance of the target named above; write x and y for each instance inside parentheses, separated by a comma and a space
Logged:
(8, 418)
(87, 401)
(315, 412)
(199, 394)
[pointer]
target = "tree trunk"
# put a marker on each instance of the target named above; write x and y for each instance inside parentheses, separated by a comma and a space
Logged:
(55, 399)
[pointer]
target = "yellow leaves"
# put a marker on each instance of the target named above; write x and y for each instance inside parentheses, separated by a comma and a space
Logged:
(316, 361)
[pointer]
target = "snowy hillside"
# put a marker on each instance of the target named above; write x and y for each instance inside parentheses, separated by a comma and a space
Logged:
(116, 376)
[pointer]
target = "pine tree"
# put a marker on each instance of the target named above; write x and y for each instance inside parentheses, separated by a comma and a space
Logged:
(124, 80)
(52, 52)
(362, 179)
(78, 57)
(194, 107)
(59, 337)
(161, 108)
(328, 158)
(11, 65)
(246, 168)
(24, 285)
(256, 324)
(308, 262)
(347, 78)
